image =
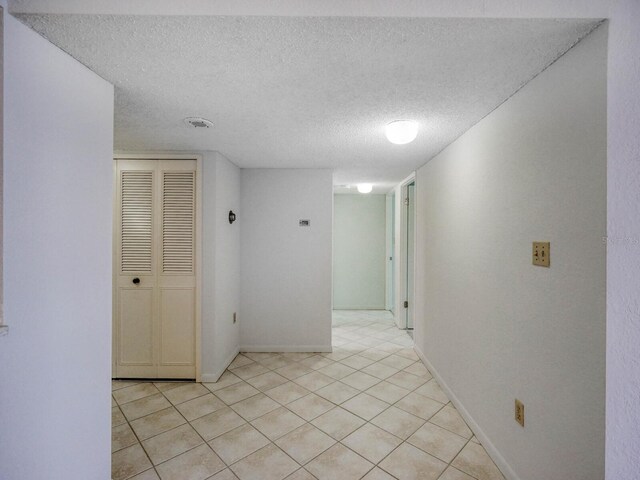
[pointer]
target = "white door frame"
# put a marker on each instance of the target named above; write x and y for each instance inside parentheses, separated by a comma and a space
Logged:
(198, 247)
(401, 248)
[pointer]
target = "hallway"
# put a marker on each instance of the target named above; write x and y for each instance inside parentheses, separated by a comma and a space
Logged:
(370, 409)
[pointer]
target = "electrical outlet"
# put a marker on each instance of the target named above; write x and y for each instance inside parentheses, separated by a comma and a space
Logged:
(235, 317)
(541, 255)
(519, 412)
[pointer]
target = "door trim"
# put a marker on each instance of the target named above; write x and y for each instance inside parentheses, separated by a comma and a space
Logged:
(401, 292)
(198, 263)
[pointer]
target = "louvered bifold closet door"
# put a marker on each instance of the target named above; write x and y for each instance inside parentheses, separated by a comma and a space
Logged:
(155, 235)
(135, 334)
(177, 269)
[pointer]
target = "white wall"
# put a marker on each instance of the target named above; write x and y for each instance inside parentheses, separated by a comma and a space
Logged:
(221, 265)
(55, 404)
(623, 246)
(286, 269)
(359, 252)
(494, 327)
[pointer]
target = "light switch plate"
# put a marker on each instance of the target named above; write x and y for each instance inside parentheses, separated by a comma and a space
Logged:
(541, 254)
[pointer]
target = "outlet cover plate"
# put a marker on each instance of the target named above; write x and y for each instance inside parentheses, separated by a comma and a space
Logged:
(541, 255)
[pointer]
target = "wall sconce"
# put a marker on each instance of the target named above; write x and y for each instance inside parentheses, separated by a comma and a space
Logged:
(232, 216)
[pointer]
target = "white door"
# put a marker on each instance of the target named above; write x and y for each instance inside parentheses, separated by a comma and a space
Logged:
(155, 278)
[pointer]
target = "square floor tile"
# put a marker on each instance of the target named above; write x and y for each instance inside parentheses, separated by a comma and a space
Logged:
(338, 423)
(128, 462)
(450, 419)
(379, 370)
(301, 474)
(356, 361)
(287, 393)
(418, 369)
(407, 380)
(310, 407)
(240, 361)
(117, 418)
(388, 392)
(249, 371)
(372, 442)
(121, 437)
(275, 362)
(419, 406)
(474, 460)
(360, 380)
(254, 407)
(365, 406)
(186, 392)
(198, 407)
(238, 443)
(398, 422)
(454, 474)
(378, 474)
(305, 443)
(293, 371)
(339, 463)
(164, 386)
(216, 423)
(337, 392)
(431, 389)
(135, 392)
(226, 474)
(148, 475)
(314, 381)
(407, 461)
(316, 362)
(172, 443)
(408, 353)
(157, 423)
(397, 361)
(437, 441)
(225, 380)
(337, 370)
(236, 393)
(267, 381)
(277, 423)
(197, 464)
(144, 406)
(374, 354)
(268, 463)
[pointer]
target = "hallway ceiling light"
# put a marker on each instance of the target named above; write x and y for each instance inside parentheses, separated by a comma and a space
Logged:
(198, 122)
(402, 131)
(365, 187)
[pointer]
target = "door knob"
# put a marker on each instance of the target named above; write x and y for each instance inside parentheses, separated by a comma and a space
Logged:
(136, 281)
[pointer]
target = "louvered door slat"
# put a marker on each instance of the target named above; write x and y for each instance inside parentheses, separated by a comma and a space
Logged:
(178, 222)
(137, 221)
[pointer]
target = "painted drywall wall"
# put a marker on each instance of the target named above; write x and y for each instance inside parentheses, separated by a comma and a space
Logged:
(492, 326)
(286, 269)
(359, 243)
(221, 265)
(623, 245)
(55, 412)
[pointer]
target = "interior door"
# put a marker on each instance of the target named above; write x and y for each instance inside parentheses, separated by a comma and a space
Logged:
(154, 315)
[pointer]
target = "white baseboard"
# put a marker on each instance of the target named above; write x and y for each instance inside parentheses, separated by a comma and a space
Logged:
(286, 348)
(213, 377)
(493, 452)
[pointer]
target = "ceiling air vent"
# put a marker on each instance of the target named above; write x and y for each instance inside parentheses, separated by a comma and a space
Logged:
(198, 122)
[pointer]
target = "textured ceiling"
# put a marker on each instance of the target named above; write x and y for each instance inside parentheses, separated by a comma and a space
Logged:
(307, 92)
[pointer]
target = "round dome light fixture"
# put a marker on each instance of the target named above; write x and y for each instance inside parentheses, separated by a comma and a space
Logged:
(365, 187)
(198, 122)
(402, 131)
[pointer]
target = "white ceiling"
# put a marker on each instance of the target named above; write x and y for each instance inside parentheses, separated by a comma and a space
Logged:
(308, 92)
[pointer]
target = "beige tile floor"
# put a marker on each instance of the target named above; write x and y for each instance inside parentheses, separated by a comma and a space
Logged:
(368, 410)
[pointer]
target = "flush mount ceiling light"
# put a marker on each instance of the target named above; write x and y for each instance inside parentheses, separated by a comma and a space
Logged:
(365, 187)
(402, 131)
(198, 122)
